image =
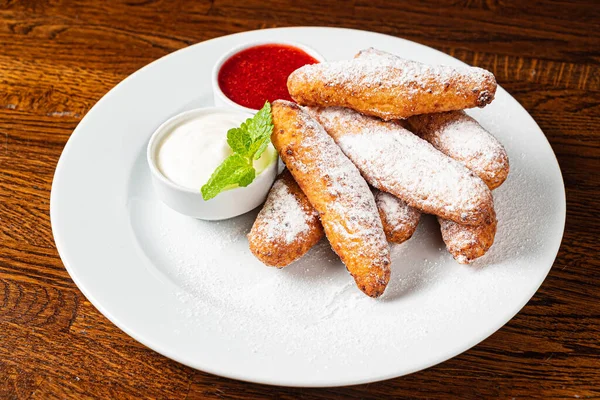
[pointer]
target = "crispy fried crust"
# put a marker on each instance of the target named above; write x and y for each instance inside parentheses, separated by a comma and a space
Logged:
(459, 136)
(277, 240)
(286, 227)
(336, 190)
(398, 218)
(468, 242)
(383, 85)
(394, 160)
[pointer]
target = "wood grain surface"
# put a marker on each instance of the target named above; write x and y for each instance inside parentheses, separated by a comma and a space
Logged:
(57, 58)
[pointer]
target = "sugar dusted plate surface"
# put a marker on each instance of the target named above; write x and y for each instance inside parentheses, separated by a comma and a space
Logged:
(191, 290)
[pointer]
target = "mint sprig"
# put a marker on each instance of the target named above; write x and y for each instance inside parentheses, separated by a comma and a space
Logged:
(248, 142)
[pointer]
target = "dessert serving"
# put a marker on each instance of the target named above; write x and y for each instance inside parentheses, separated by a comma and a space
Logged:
(369, 144)
(308, 242)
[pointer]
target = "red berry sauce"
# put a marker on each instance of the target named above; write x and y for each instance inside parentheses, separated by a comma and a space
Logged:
(260, 73)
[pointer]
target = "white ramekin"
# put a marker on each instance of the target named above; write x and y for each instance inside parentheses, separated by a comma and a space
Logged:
(227, 204)
(219, 97)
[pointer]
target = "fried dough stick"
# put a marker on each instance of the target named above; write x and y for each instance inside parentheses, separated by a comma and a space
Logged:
(399, 219)
(336, 190)
(468, 242)
(390, 87)
(459, 136)
(286, 227)
(394, 160)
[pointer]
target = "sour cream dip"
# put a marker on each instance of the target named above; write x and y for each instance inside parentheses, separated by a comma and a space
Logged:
(194, 148)
(185, 150)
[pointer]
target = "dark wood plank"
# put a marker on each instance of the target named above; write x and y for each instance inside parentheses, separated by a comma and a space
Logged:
(58, 57)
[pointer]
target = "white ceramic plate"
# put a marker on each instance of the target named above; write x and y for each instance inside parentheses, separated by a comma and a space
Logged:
(191, 290)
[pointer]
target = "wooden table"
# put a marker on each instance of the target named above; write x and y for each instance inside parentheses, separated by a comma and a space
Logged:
(57, 58)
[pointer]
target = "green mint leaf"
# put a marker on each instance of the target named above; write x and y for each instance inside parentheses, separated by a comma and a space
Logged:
(246, 177)
(260, 129)
(234, 170)
(248, 142)
(239, 139)
(253, 135)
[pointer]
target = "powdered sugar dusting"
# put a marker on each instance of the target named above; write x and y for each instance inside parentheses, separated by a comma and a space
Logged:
(399, 216)
(349, 214)
(419, 76)
(310, 318)
(410, 72)
(379, 83)
(381, 70)
(394, 160)
(461, 137)
(468, 242)
(284, 218)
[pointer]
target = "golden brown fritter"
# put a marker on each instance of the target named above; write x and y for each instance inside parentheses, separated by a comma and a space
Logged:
(336, 190)
(468, 242)
(396, 161)
(398, 218)
(286, 227)
(383, 85)
(460, 136)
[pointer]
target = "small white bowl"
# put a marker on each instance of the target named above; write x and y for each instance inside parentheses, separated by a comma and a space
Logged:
(220, 98)
(227, 204)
